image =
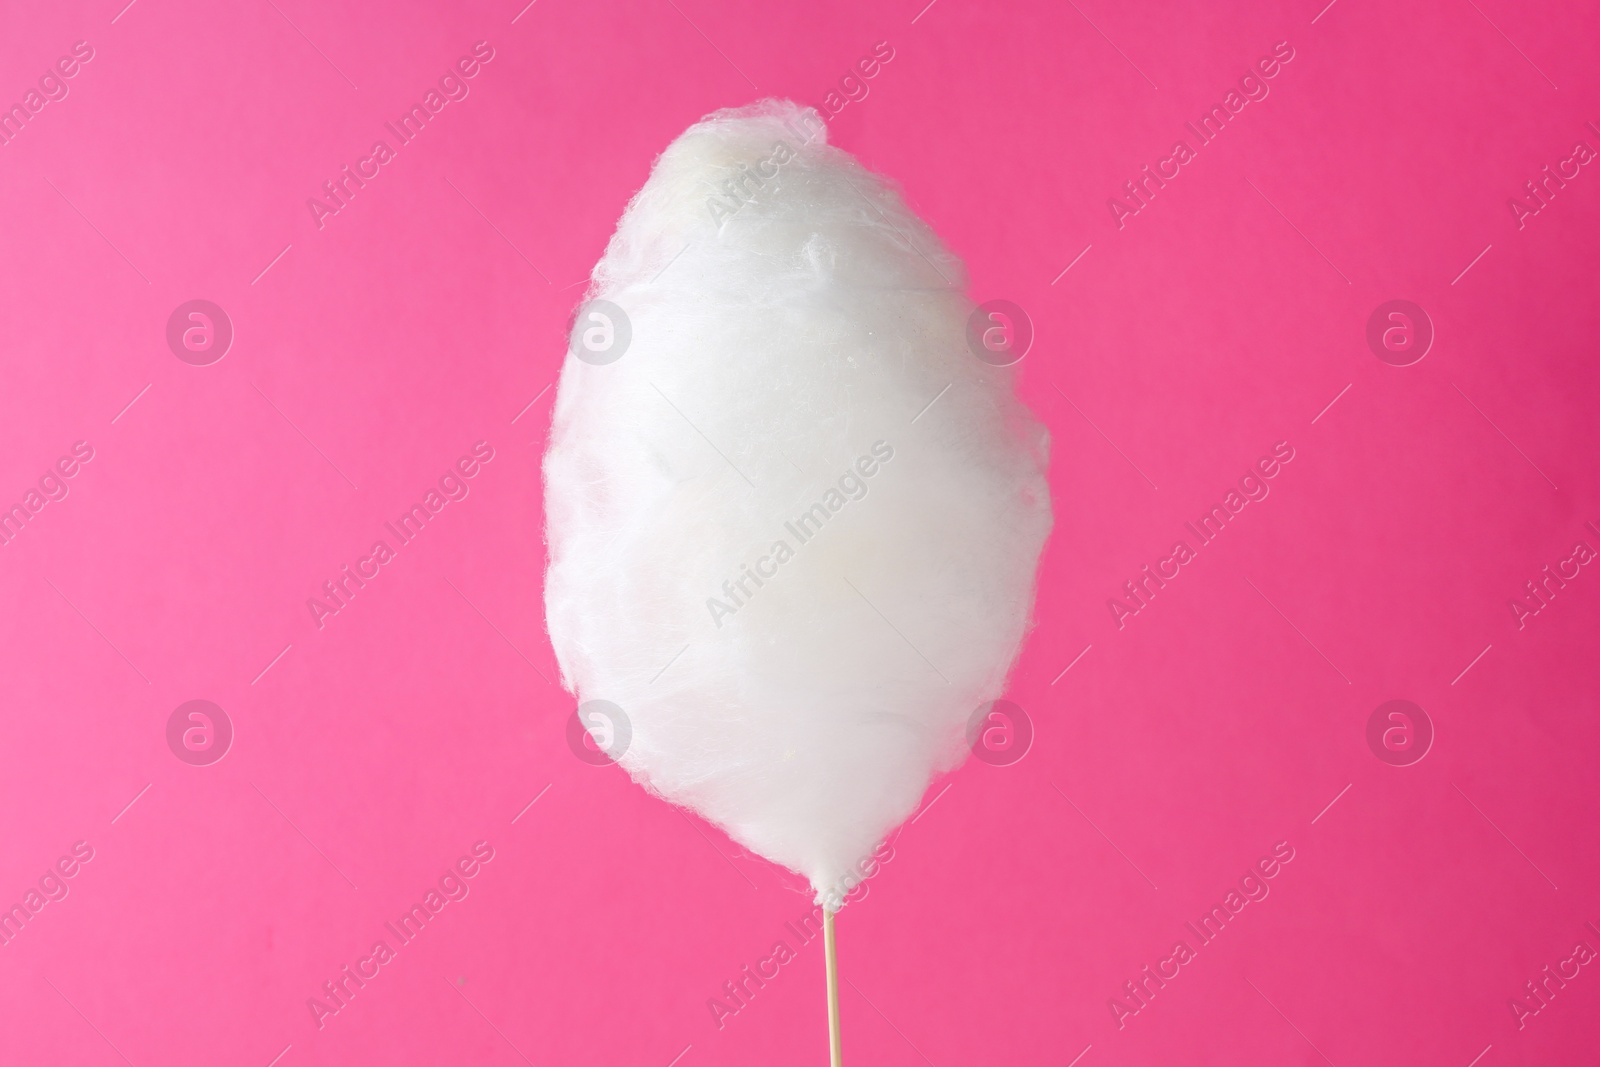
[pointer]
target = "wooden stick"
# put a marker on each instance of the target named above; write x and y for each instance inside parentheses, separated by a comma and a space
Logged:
(835, 1048)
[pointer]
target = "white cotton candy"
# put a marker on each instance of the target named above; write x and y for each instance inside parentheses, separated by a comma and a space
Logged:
(775, 348)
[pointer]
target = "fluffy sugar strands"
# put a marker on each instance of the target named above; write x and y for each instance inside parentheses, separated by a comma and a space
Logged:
(793, 527)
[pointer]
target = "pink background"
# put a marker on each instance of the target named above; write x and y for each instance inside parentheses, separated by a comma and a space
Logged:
(430, 313)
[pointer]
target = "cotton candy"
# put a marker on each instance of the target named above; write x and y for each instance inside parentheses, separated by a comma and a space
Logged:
(793, 518)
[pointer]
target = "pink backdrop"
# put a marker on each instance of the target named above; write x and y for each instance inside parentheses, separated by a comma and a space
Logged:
(1179, 740)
